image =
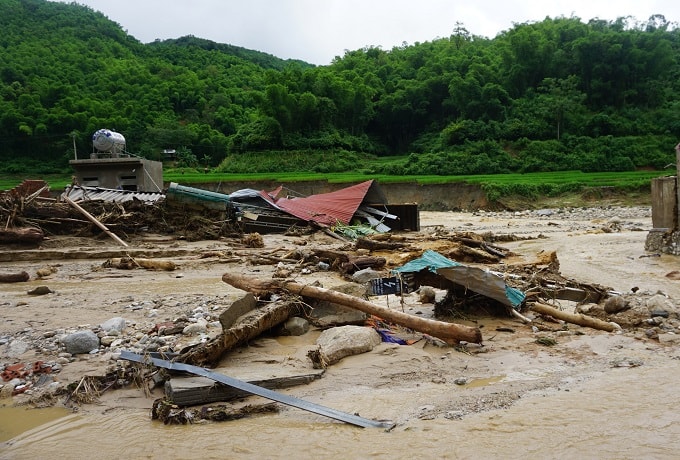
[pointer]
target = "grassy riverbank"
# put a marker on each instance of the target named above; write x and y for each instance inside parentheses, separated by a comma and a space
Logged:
(572, 188)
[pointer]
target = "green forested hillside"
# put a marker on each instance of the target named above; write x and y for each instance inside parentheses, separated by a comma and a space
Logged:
(562, 94)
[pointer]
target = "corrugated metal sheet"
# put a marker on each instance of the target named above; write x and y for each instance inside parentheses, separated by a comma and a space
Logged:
(79, 193)
(327, 209)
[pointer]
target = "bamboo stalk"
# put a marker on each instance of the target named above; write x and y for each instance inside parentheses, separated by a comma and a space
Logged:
(96, 222)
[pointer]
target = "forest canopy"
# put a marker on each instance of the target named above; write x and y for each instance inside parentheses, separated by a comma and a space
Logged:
(559, 94)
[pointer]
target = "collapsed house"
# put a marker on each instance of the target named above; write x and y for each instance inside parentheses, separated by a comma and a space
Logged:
(269, 212)
(197, 214)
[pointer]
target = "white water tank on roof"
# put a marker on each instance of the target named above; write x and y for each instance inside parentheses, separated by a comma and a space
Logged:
(106, 140)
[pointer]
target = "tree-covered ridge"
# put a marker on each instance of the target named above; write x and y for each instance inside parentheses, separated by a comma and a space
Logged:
(559, 94)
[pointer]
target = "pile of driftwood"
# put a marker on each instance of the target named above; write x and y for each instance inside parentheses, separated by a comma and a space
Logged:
(28, 220)
(539, 279)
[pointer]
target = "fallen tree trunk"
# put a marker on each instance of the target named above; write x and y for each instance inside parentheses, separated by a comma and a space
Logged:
(573, 318)
(21, 235)
(249, 326)
(449, 332)
(14, 277)
(129, 263)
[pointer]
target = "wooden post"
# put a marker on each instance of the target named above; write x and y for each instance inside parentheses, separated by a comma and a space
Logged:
(96, 222)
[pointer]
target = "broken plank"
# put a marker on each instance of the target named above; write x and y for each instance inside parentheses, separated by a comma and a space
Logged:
(259, 391)
(190, 391)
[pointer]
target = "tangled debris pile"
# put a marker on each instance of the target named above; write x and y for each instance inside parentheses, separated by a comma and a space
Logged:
(204, 328)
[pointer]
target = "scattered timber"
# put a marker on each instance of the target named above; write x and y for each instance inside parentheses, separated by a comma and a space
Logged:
(451, 333)
(573, 318)
(21, 235)
(14, 277)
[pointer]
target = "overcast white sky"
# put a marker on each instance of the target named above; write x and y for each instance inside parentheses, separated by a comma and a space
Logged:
(317, 31)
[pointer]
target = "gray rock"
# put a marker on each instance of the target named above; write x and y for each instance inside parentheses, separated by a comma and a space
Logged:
(426, 294)
(114, 324)
(16, 348)
(327, 314)
(658, 314)
(615, 304)
(199, 327)
(365, 275)
(339, 342)
(40, 290)
(669, 338)
(81, 342)
(659, 303)
(237, 309)
(296, 326)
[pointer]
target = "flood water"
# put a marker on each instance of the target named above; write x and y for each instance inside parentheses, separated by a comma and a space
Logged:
(613, 413)
(620, 414)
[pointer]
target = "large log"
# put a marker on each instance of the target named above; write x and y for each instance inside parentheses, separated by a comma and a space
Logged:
(248, 327)
(451, 333)
(573, 318)
(14, 277)
(21, 235)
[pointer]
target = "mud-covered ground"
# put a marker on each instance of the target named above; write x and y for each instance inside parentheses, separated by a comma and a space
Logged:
(410, 385)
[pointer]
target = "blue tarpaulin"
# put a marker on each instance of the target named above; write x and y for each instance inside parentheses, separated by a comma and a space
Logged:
(475, 279)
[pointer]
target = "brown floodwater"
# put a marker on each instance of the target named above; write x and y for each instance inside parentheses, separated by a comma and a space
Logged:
(622, 413)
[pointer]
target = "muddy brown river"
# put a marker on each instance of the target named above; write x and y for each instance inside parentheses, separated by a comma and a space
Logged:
(594, 395)
(628, 413)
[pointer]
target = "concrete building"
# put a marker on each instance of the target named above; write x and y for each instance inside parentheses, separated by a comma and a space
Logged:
(119, 172)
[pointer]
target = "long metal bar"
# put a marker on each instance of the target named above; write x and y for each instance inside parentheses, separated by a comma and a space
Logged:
(257, 390)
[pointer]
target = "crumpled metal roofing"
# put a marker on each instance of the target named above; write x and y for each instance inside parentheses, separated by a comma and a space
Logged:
(327, 209)
(80, 193)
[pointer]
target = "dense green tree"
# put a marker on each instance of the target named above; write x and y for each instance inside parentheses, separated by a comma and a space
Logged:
(558, 93)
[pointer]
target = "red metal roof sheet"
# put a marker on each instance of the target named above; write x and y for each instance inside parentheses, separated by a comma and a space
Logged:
(327, 209)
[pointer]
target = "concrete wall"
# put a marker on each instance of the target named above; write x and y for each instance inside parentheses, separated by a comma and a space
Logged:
(664, 203)
(665, 234)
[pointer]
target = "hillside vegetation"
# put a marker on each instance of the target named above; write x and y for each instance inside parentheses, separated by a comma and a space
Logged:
(562, 94)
